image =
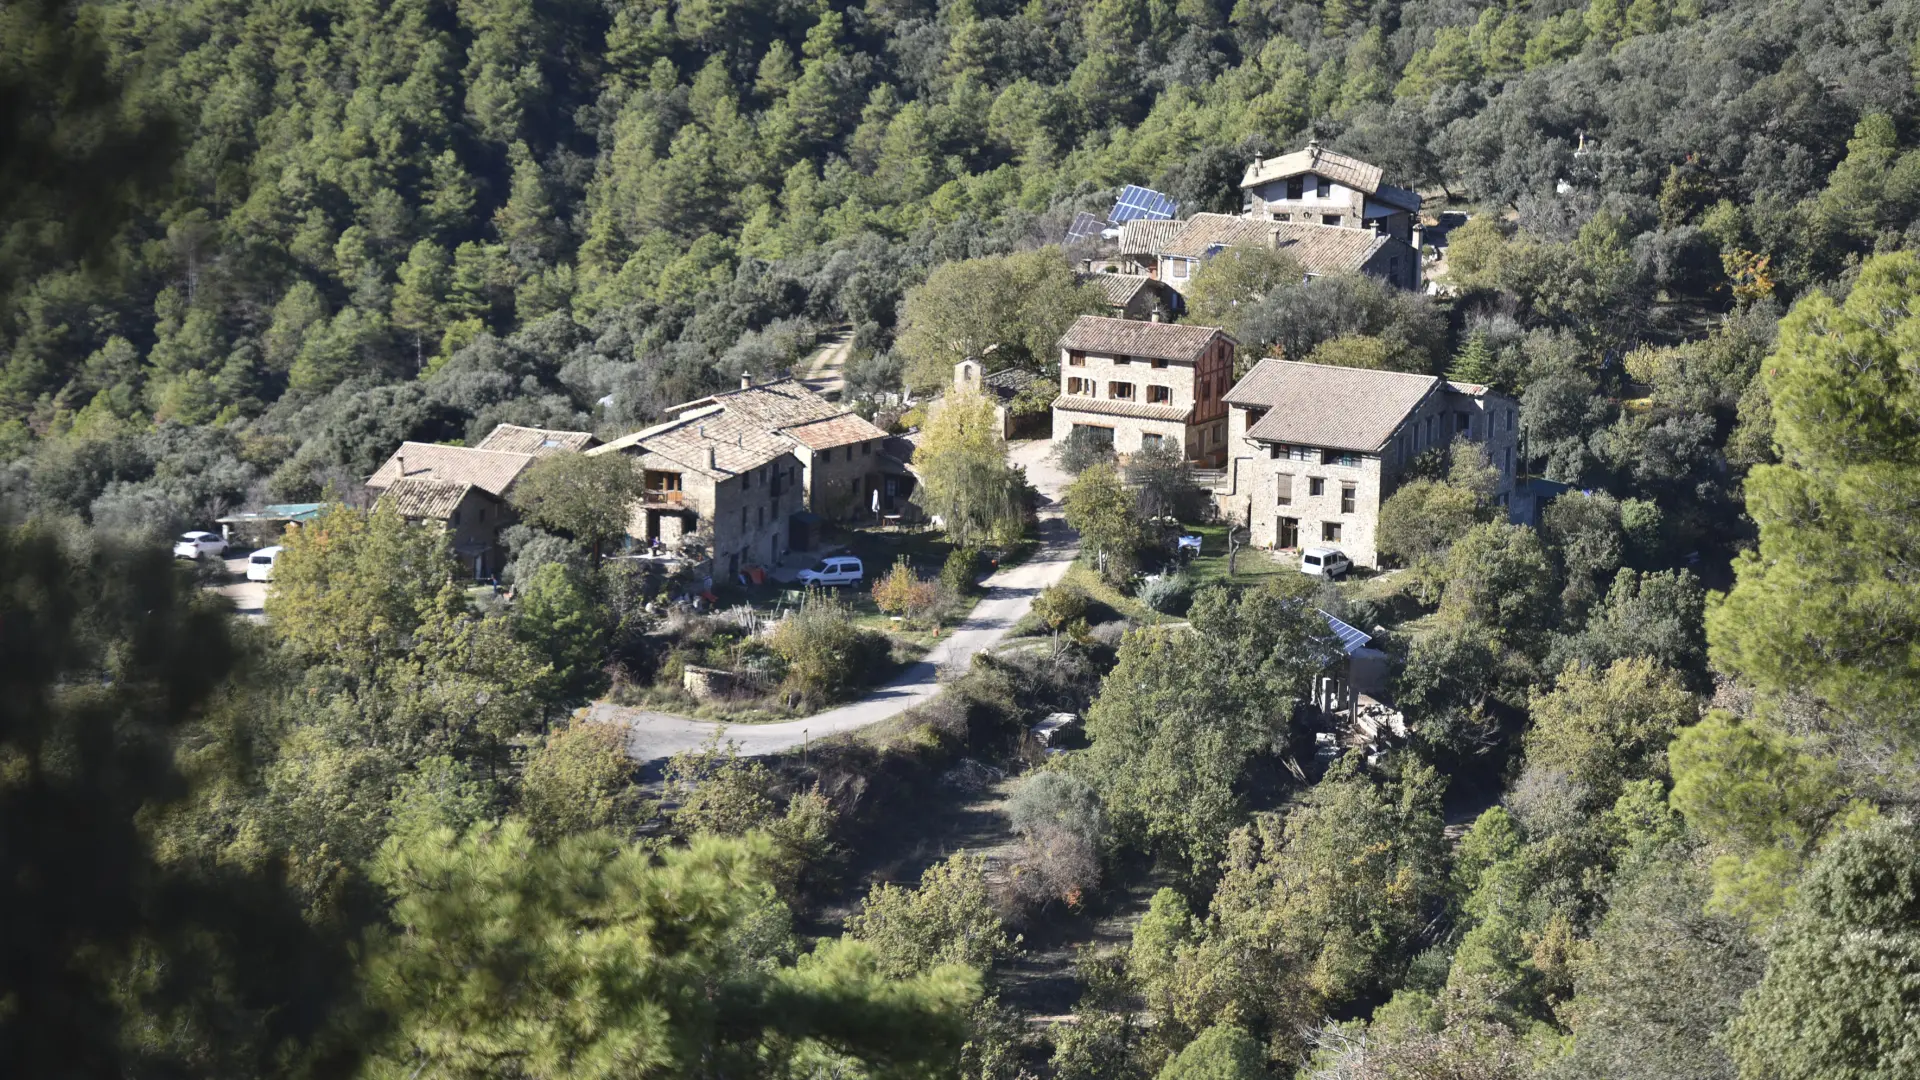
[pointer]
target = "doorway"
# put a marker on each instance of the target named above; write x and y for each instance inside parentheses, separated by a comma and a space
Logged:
(1287, 534)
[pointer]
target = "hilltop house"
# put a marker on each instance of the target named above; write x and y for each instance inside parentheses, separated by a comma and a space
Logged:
(1316, 449)
(464, 489)
(1134, 384)
(1319, 187)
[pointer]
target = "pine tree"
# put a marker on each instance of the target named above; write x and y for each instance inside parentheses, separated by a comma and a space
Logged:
(1474, 362)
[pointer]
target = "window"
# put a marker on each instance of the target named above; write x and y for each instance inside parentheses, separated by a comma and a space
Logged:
(743, 519)
(1254, 416)
(1079, 386)
(1339, 457)
(1283, 452)
(759, 516)
(483, 513)
(1330, 532)
(1322, 188)
(1151, 441)
(1296, 187)
(1462, 422)
(1346, 498)
(1120, 391)
(867, 447)
(454, 519)
(1159, 362)
(1075, 359)
(1119, 360)
(1509, 461)
(1100, 436)
(1429, 438)
(1316, 485)
(1177, 269)
(1159, 395)
(1283, 489)
(1329, 219)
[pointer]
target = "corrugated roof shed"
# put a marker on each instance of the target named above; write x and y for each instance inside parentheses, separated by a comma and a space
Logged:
(1321, 405)
(514, 439)
(1132, 337)
(489, 470)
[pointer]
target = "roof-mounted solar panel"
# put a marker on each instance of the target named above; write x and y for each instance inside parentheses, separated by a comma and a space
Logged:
(1351, 639)
(1085, 227)
(1138, 203)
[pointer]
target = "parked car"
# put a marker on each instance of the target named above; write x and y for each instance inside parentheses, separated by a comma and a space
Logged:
(260, 564)
(195, 544)
(837, 570)
(1324, 562)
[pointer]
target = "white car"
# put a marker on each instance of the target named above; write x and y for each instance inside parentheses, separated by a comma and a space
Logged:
(195, 544)
(260, 563)
(1324, 562)
(837, 570)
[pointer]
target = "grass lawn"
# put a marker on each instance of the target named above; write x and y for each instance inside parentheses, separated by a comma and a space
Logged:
(1251, 566)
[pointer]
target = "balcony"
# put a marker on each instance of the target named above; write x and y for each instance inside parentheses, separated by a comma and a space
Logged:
(661, 498)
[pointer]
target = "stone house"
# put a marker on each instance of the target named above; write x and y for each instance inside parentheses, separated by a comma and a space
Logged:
(1319, 187)
(1138, 248)
(1316, 449)
(464, 489)
(714, 481)
(1320, 249)
(834, 445)
(1137, 383)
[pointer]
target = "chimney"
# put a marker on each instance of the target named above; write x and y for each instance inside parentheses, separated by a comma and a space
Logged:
(1154, 315)
(712, 462)
(746, 380)
(402, 459)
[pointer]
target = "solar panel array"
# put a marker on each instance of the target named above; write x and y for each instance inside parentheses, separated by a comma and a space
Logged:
(1137, 203)
(1350, 638)
(1085, 227)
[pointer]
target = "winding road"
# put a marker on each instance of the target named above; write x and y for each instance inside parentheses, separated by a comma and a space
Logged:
(1009, 593)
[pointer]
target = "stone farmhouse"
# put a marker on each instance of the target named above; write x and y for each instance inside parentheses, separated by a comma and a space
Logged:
(1332, 212)
(1317, 449)
(749, 473)
(464, 489)
(1319, 187)
(1135, 384)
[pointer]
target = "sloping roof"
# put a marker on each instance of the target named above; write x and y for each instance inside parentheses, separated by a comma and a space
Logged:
(1131, 337)
(489, 470)
(1328, 249)
(1335, 407)
(1010, 382)
(1318, 160)
(419, 498)
(1144, 237)
(1352, 639)
(774, 405)
(1202, 233)
(514, 439)
(1178, 414)
(1118, 290)
(835, 431)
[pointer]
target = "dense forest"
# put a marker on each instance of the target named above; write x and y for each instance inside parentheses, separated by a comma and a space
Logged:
(247, 249)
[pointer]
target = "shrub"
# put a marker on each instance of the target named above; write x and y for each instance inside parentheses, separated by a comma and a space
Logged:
(903, 592)
(1059, 606)
(1080, 451)
(827, 655)
(1063, 828)
(1168, 594)
(962, 564)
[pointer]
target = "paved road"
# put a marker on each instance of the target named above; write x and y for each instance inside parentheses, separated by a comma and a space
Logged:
(1009, 595)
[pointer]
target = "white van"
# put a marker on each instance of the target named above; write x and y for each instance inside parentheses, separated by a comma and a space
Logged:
(260, 563)
(836, 570)
(1324, 562)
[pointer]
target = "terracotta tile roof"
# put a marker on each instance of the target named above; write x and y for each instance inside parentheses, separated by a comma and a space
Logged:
(835, 431)
(1339, 168)
(1178, 414)
(489, 470)
(433, 499)
(1144, 237)
(1336, 407)
(1010, 383)
(1132, 337)
(777, 404)
(514, 439)
(1201, 234)
(1118, 290)
(1328, 249)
